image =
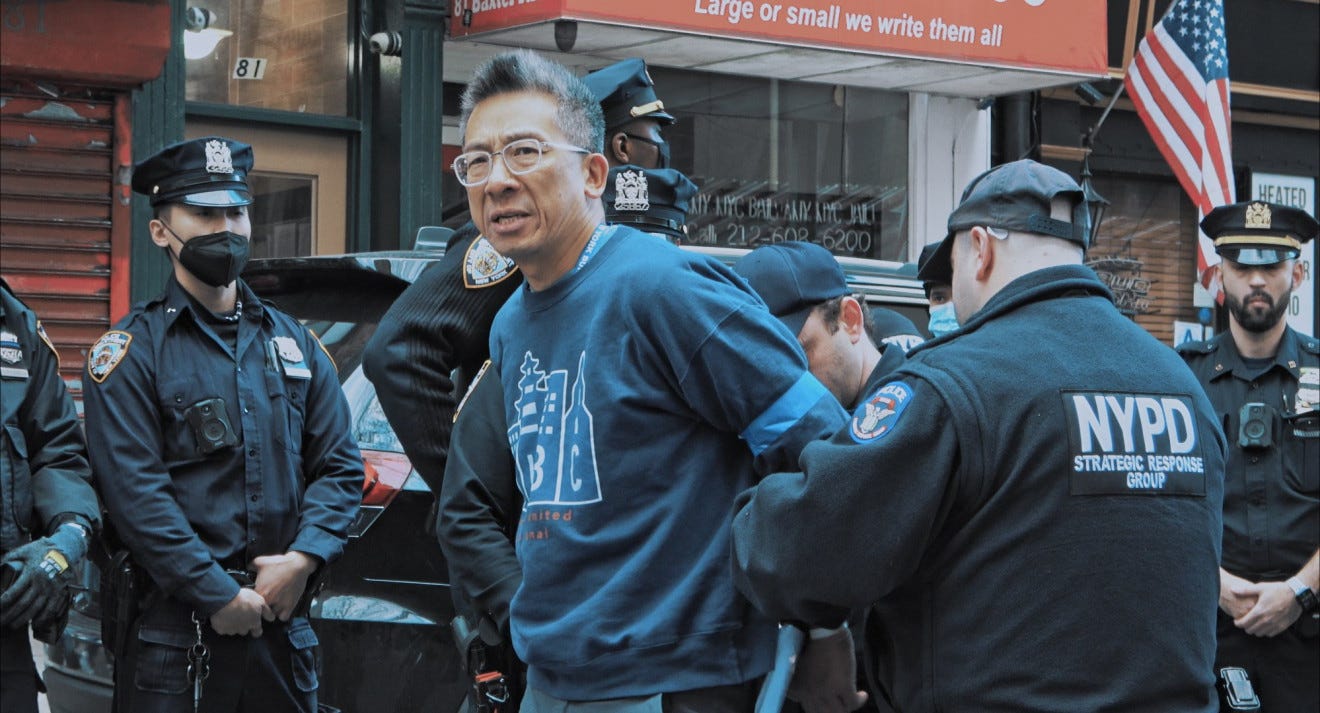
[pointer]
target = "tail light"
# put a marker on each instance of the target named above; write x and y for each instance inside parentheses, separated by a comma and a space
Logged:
(386, 473)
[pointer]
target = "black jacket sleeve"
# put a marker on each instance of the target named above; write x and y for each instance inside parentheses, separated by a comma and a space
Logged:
(480, 504)
(437, 325)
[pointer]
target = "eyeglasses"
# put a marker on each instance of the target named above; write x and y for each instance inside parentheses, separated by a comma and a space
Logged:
(473, 168)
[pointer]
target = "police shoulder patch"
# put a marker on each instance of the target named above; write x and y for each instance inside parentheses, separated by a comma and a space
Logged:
(106, 354)
(41, 332)
(484, 266)
(878, 414)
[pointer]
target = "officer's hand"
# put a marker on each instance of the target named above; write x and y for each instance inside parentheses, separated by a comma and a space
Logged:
(281, 579)
(1276, 609)
(1236, 595)
(825, 680)
(242, 615)
(41, 589)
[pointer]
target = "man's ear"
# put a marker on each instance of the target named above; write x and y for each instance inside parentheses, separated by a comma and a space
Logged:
(598, 173)
(982, 248)
(1298, 273)
(850, 316)
(616, 147)
(159, 234)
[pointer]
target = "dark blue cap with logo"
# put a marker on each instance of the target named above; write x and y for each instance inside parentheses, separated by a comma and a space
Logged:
(625, 92)
(651, 199)
(1013, 196)
(1259, 232)
(211, 171)
(793, 278)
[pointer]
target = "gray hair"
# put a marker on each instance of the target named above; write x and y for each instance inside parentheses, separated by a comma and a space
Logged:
(578, 116)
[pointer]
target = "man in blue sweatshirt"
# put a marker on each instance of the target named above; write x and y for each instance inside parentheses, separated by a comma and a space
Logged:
(645, 387)
(1031, 505)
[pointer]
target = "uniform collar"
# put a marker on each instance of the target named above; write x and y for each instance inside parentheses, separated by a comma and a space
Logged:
(1046, 283)
(1288, 357)
(175, 301)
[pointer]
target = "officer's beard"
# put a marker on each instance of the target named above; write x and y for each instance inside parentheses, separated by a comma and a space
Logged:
(1254, 317)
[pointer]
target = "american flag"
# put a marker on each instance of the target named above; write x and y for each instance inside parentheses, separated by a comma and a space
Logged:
(1178, 81)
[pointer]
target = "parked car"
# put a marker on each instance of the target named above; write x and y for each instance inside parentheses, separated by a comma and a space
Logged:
(383, 615)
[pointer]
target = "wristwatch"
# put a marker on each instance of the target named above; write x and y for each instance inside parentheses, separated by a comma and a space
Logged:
(1305, 597)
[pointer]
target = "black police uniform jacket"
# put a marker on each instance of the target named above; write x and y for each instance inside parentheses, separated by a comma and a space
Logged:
(1033, 506)
(1272, 493)
(439, 324)
(43, 468)
(293, 480)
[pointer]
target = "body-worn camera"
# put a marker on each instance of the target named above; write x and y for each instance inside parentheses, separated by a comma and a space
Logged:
(1255, 426)
(210, 424)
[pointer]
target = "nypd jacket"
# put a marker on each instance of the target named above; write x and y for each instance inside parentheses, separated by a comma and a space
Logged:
(1272, 488)
(1032, 504)
(208, 456)
(43, 467)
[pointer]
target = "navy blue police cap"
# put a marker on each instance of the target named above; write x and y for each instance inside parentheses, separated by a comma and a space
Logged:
(211, 171)
(1259, 233)
(792, 278)
(625, 92)
(1013, 196)
(930, 281)
(651, 199)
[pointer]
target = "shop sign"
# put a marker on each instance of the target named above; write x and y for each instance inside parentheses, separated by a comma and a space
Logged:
(1066, 36)
(1298, 192)
(104, 42)
(854, 225)
(1123, 276)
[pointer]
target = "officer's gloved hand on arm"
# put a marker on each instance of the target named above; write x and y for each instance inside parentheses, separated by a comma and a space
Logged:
(45, 567)
(825, 679)
(242, 615)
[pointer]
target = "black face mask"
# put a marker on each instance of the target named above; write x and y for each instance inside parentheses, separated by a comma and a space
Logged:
(661, 149)
(215, 259)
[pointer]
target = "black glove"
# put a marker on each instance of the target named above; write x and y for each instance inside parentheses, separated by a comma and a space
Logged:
(41, 589)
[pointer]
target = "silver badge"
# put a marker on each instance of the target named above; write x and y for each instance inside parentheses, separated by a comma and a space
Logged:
(218, 157)
(288, 349)
(631, 192)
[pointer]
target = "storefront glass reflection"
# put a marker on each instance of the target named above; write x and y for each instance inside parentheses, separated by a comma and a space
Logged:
(783, 161)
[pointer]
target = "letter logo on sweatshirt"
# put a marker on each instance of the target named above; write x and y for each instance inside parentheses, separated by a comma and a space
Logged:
(553, 438)
(1133, 444)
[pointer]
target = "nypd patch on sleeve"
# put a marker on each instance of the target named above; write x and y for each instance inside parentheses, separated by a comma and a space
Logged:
(106, 354)
(877, 415)
(1133, 444)
(484, 266)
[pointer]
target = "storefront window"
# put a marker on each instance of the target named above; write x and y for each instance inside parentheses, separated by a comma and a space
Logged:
(1146, 250)
(281, 215)
(290, 55)
(780, 160)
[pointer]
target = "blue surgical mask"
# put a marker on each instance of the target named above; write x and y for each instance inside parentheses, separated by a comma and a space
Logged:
(943, 320)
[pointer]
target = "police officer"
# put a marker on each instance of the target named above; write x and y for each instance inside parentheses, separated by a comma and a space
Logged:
(939, 295)
(441, 324)
(804, 286)
(1036, 522)
(47, 506)
(221, 446)
(1263, 378)
(634, 115)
